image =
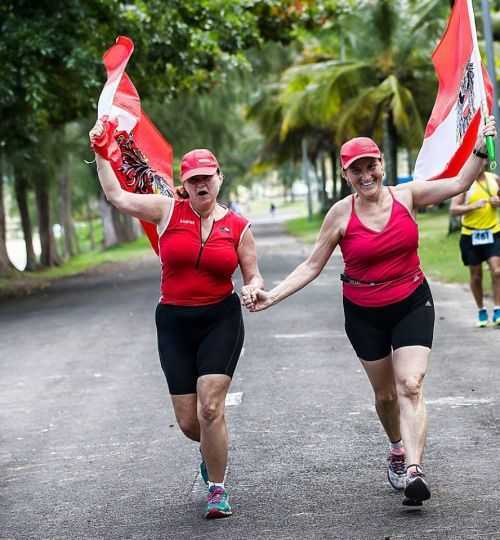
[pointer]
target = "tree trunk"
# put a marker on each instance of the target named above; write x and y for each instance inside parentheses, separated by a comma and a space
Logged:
(454, 224)
(49, 256)
(110, 237)
(410, 163)
(21, 191)
(124, 227)
(390, 150)
(5, 264)
(333, 159)
(69, 244)
(90, 222)
(325, 201)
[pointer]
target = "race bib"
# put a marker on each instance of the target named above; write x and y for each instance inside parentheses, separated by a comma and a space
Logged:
(480, 238)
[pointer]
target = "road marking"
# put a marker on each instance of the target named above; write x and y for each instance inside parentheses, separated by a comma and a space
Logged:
(460, 401)
(234, 399)
(326, 333)
(456, 401)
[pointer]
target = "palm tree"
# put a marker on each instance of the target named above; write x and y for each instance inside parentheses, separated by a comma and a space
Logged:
(383, 88)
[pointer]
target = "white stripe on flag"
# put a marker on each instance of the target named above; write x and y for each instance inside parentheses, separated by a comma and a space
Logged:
(126, 121)
(439, 148)
(107, 96)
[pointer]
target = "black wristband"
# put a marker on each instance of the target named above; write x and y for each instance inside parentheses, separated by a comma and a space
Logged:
(479, 154)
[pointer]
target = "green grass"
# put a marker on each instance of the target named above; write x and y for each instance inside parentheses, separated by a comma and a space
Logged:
(439, 252)
(20, 283)
(83, 262)
(304, 229)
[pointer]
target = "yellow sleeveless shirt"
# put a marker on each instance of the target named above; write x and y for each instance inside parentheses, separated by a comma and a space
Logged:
(481, 218)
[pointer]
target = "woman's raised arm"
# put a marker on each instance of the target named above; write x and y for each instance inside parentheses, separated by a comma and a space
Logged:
(148, 207)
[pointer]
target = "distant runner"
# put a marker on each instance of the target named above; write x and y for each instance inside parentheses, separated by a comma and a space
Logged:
(480, 239)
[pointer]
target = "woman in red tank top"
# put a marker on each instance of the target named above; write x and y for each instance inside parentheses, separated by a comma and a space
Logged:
(389, 311)
(199, 322)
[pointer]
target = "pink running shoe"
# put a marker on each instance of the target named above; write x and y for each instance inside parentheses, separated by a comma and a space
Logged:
(218, 503)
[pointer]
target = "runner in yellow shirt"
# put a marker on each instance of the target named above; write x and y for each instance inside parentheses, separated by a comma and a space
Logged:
(480, 238)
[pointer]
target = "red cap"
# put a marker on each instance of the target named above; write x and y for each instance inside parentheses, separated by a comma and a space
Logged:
(357, 148)
(198, 162)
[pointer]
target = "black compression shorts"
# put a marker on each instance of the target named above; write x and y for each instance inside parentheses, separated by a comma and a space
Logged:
(475, 255)
(374, 331)
(199, 340)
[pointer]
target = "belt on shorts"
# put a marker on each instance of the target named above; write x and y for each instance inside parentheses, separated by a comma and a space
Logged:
(351, 281)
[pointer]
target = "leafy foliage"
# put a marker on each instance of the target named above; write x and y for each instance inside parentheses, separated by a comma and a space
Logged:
(51, 52)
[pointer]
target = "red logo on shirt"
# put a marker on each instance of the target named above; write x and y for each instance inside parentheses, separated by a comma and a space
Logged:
(225, 229)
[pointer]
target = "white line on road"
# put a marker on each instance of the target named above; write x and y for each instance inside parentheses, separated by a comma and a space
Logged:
(456, 401)
(234, 399)
(327, 334)
(460, 401)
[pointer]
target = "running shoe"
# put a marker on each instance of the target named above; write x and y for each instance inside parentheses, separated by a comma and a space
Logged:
(417, 489)
(496, 317)
(396, 469)
(218, 503)
(482, 318)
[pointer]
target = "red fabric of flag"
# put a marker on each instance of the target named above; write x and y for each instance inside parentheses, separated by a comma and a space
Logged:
(463, 86)
(143, 163)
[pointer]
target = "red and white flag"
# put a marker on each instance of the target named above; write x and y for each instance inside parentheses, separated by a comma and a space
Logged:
(144, 163)
(464, 88)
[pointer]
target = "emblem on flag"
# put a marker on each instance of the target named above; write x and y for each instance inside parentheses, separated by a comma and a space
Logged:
(466, 106)
(464, 86)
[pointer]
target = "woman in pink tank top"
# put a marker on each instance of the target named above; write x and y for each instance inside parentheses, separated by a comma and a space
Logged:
(388, 306)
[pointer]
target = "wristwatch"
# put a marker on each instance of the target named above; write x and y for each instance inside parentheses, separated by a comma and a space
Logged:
(480, 154)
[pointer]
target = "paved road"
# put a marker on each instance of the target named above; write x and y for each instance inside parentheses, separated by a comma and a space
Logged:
(89, 446)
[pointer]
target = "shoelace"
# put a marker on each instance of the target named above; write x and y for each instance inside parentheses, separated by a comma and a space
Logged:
(397, 463)
(416, 473)
(215, 496)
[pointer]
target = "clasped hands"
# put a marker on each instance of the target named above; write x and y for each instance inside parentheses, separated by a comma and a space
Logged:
(255, 299)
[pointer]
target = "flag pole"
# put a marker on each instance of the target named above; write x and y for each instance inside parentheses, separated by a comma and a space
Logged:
(490, 141)
(488, 38)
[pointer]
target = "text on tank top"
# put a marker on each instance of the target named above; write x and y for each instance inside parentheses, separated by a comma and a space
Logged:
(194, 272)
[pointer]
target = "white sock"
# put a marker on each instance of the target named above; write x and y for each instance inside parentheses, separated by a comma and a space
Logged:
(496, 307)
(215, 484)
(397, 445)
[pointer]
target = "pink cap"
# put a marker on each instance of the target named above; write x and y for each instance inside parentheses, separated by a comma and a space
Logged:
(357, 148)
(198, 162)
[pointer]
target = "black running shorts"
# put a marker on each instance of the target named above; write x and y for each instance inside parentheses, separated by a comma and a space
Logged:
(374, 332)
(475, 255)
(200, 340)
